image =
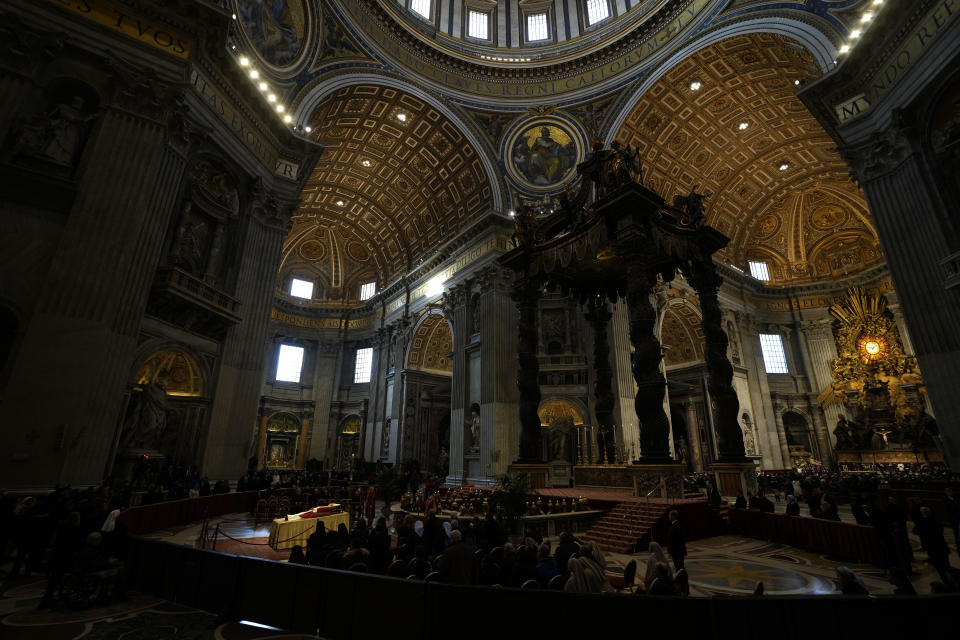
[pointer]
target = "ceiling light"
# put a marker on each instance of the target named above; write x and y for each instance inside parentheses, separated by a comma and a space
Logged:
(784, 166)
(234, 16)
(279, 108)
(512, 213)
(262, 86)
(796, 82)
(339, 203)
(271, 98)
(855, 34)
(867, 17)
(845, 48)
(254, 74)
(743, 125)
(402, 117)
(308, 129)
(288, 118)
(244, 61)
(877, 1)
(695, 85)
(365, 163)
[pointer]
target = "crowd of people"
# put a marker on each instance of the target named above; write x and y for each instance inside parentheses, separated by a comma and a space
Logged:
(479, 551)
(71, 530)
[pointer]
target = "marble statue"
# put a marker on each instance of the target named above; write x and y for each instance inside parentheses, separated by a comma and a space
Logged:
(149, 419)
(385, 440)
(67, 130)
(474, 425)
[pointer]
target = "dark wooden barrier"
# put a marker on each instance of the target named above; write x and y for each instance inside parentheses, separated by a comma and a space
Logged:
(343, 606)
(852, 541)
(174, 513)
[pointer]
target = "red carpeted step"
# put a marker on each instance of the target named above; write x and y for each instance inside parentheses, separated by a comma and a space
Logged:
(625, 526)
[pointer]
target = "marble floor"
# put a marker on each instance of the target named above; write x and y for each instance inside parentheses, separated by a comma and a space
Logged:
(723, 565)
(731, 565)
(718, 566)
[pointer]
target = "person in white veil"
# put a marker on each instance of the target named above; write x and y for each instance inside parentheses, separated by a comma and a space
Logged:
(586, 577)
(447, 530)
(588, 573)
(656, 555)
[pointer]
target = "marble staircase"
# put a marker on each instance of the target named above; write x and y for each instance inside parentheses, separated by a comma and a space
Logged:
(628, 526)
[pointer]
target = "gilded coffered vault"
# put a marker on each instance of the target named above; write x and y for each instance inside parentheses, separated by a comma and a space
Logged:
(681, 334)
(779, 189)
(397, 176)
(431, 346)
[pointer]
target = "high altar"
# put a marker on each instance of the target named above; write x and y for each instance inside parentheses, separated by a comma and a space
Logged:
(617, 239)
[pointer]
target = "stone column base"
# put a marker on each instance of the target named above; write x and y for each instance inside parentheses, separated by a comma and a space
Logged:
(731, 477)
(658, 480)
(539, 473)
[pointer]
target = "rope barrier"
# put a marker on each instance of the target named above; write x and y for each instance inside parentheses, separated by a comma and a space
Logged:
(259, 544)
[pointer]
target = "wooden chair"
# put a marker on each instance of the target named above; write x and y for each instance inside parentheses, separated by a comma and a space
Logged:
(530, 584)
(436, 561)
(433, 576)
(682, 580)
(398, 569)
(360, 567)
(758, 589)
(557, 583)
(625, 582)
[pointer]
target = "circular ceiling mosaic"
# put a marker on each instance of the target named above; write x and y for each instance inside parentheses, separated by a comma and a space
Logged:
(543, 154)
(279, 32)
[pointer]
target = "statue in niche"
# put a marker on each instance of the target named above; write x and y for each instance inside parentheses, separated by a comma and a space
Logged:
(443, 460)
(683, 453)
(385, 440)
(58, 135)
(148, 421)
(557, 441)
(749, 443)
(475, 323)
(843, 435)
(189, 250)
(473, 424)
(216, 257)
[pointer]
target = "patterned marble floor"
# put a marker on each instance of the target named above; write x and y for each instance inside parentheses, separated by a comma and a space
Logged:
(731, 565)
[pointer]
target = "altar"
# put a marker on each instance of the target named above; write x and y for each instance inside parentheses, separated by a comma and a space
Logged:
(294, 530)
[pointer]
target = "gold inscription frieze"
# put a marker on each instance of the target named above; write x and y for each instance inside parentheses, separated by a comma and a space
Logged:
(817, 301)
(241, 126)
(306, 323)
(119, 19)
(521, 88)
(897, 65)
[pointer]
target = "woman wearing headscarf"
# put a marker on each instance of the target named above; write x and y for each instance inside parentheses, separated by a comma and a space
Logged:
(850, 583)
(591, 551)
(447, 529)
(656, 555)
(585, 577)
(587, 574)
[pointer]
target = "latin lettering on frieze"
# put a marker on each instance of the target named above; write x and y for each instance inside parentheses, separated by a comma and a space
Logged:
(239, 124)
(143, 29)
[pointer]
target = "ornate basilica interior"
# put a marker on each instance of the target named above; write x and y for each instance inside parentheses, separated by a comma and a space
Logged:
(303, 234)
